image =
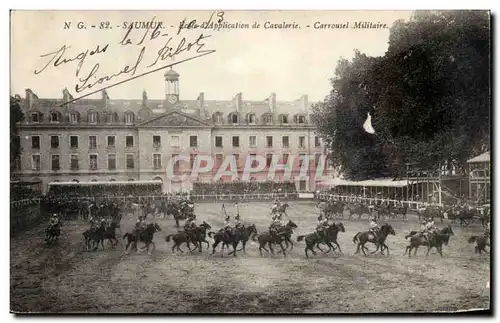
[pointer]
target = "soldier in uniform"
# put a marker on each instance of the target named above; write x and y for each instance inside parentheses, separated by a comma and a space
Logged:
(190, 226)
(429, 227)
(275, 205)
(238, 224)
(320, 228)
(139, 224)
(53, 222)
(374, 227)
(227, 225)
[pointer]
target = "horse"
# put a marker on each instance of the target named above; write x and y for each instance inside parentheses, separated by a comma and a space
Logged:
(418, 240)
(314, 239)
(280, 210)
(430, 212)
(481, 243)
(53, 233)
(247, 232)
(198, 233)
(95, 235)
(286, 232)
(359, 209)
(331, 237)
(227, 239)
(146, 235)
(110, 233)
(325, 208)
(268, 238)
(361, 238)
(329, 208)
(397, 210)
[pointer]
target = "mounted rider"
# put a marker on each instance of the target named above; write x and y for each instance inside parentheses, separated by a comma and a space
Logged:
(238, 225)
(54, 221)
(190, 226)
(374, 227)
(276, 205)
(93, 223)
(430, 228)
(139, 225)
(321, 227)
(227, 225)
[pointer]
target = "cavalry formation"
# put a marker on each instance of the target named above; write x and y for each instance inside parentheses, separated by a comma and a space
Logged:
(279, 232)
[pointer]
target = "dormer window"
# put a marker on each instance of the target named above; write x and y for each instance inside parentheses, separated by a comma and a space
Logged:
(284, 119)
(35, 117)
(92, 117)
(302, 119)
(110, 118)
(267, 118)
(129, 118)
(74, 117)
(55, 117)
(234, 119)
(251, 118)
(217, 117)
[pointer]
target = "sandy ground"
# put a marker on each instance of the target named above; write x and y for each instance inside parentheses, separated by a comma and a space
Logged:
(65, 278)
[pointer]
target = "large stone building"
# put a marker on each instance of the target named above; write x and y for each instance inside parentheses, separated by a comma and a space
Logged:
(124, 140)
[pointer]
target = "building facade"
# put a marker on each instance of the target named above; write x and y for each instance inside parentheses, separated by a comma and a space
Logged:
(127, 140)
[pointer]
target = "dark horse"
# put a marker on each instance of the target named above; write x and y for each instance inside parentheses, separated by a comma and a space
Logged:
(286, 232)
(98, 235)
(332, 232)
(481, 243)
(314, 239)
(53, 233)
(146, 235)
(246, 233)
(197, 237)
(361, 238)
(226, 238)
(268, 238)
(434, 240)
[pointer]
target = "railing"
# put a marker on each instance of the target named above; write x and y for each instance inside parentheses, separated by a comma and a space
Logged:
(245, 196)
(412, 205)
(25, 202)
(24, 214)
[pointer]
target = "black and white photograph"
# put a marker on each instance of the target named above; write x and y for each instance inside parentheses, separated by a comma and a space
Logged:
(250, 161)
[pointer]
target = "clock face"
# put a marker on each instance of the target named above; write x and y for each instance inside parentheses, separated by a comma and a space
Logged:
(172, 98)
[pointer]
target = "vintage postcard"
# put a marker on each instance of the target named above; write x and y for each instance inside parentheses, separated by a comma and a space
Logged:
(248, 162)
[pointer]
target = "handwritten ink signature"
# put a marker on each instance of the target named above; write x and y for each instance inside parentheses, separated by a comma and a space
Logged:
(168, 52)
(172, 47)
(57, 58)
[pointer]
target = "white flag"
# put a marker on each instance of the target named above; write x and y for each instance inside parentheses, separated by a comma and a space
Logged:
(368, 124)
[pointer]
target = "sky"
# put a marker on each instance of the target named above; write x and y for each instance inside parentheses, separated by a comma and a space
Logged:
(254, 61)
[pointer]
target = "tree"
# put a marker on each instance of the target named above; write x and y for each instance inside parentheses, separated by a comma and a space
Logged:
(16, 116)
(429, 97)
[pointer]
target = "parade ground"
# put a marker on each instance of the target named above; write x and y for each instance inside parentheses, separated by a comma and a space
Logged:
(67, 278)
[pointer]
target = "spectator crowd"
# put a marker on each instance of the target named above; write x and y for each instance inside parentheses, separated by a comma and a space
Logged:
(241, 187)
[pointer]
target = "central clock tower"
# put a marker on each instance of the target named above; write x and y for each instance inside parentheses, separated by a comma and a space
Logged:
(171, 88)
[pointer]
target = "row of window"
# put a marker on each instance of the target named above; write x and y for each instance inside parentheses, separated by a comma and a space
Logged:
(174, 141)
(74, 142)
(74, 117)
(252, 141)
(55, 164)
(129, 118)
(74, 165)
(251, 118)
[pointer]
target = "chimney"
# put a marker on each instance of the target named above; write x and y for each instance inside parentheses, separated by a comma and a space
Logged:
(201, 104)
(272, 102)
(305, 103)
(144, 99)
(29, 99)
(238, 101)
